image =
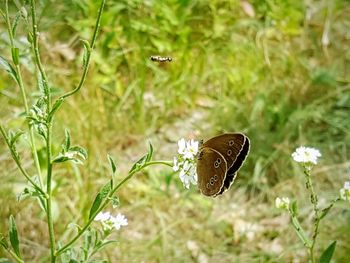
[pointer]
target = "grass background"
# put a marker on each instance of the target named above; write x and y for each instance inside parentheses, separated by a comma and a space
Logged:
(280, 75)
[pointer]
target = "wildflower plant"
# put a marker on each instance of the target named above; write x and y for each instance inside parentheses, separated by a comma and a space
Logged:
(40, 120)
(185, 162)
(308, 158)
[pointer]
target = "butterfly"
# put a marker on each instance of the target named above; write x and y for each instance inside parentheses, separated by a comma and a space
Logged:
(219, 160)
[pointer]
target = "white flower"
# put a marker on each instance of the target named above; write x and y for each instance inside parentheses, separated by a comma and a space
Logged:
(306, 155)
(188, 174)
(103, 216)
(191, 149)
(176, 165)
(282, 203)
(185, 162)
(182, 146)
(345, 192)
(188, 149)
(108, 221)
(119, 221)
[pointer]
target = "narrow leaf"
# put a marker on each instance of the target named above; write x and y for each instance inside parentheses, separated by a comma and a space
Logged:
(139, 163)
(15, 23)
(15, 136)
(15, 55)
(4, 64)
(150, 152)
(328, 253)
(67, 140)
(14, 236)
(102, 194)
(3, 242)
(112, 163)
(294, 208)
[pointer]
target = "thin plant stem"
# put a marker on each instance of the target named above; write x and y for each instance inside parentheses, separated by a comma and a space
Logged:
(19, 165)
(88, 59)
(49, 132)
(49, 192)
(106, 202)
(314, 201)
(15, 257)
(24, 98)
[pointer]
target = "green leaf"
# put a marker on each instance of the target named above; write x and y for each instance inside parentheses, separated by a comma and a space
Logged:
(15, 136)
(102, 194)
(3, 242)
(4, 64)
(294, 208)
(55, 107)
(87, 51)
(14, 236)
(112, 164)
(76, 154)
(141, 162)
(67, 140)
(80, 151)
(150, 153)
(15, 55)
(328, 253)
(30, 37)
(15, 23)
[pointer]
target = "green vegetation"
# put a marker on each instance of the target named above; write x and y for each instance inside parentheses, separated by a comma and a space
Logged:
(280, 75)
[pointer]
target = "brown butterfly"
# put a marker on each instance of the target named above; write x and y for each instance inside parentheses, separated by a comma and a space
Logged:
(219, 160)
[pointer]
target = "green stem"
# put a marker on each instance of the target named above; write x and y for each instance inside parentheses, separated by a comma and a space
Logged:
(88, 59)
(19, 165)
(47, 92)
(35, 47)
(299, 230)
(314, 201)
(18, 259)
(106, 202)
(49, 193)
(24, 98)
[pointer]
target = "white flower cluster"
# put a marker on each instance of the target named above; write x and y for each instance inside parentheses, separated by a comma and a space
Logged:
(345, 191)
(108, 221)
(185, 162)
(306, 155)
(282, 203)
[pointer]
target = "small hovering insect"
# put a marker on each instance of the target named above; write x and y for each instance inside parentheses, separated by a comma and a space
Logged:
(161, 59)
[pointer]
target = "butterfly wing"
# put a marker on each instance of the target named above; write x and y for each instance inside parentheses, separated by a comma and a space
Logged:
(232, 172)
(211, 171)
(229, 145)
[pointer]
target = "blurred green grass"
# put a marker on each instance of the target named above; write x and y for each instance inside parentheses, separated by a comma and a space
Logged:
(268, 75)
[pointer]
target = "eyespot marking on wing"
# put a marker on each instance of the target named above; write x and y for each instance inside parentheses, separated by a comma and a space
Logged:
(216, 164)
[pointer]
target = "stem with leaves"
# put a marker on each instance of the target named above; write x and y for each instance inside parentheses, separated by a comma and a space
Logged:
(108, 199)
(15, 60)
